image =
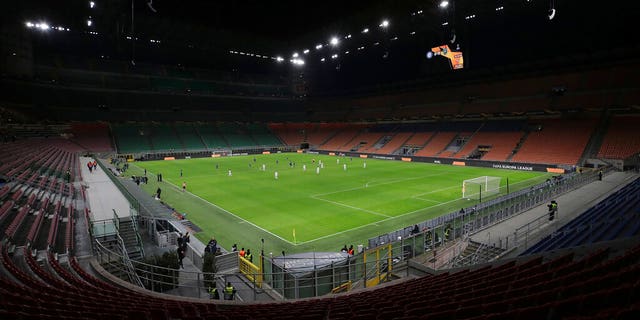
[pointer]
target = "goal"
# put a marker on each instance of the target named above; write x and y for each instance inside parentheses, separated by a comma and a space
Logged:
(480, 187)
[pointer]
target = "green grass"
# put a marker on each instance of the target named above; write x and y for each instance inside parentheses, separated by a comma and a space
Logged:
(327, 210)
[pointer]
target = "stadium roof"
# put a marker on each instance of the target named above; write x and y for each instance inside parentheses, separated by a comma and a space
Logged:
(251, 34)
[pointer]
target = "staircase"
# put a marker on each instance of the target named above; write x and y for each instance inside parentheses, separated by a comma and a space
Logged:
(593, 146)
(476, 252)
(522, 140)
(129, 234)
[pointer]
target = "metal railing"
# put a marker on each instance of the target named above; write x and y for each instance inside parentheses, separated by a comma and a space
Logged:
(275, 283)
(486, 214)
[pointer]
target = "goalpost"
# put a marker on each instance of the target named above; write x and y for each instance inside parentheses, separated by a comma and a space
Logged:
(477, 188)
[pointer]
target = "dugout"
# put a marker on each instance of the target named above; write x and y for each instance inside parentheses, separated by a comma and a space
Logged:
(309, 274)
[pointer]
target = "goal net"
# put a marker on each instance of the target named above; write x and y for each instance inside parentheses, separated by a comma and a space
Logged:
(482, 186)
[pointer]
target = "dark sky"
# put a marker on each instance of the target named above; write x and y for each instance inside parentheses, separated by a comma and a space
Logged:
(202, 32)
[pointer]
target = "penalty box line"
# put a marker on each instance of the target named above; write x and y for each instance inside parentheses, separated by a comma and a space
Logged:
(390, 218)
(229, 212)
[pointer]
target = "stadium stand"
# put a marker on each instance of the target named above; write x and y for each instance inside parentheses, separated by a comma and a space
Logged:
(621, 139)
(397, 140)
(618, 216)
(365, 142)
(501, 145)
(527, 288)
(188, 136)
(342, 141)
(163, 137)
(93, 136)
(261, 135)
(438, 142)
(292, 134)
(236, 134)
(131, 137)
(210, 136)
(553, 143)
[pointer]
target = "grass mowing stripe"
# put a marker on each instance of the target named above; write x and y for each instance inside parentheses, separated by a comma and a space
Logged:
(273, 208)
(228, 212)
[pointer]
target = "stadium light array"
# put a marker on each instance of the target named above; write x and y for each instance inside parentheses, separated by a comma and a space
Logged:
(306, 51)
(318, 46)
(365, 30)
(295, 55)
(89, 22)
(92, 4)
(443, 4)
(334, 41)
(384, 23)
(334, 56)
(322, 60)
(279, 59)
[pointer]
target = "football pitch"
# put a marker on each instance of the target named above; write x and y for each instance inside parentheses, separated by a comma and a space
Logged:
(346, 201)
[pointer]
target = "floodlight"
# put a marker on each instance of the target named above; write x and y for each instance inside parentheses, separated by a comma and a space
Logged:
(444, 4)
(334, 56)
(365, 30)
(334, 41)
(29, 24)
(89, 23)
(279, 59)
(92, 4)
(322, 60)
(318, 46)
(295, 55)
(43, 26)
(348, 36)
(305, 51)
(384, 23)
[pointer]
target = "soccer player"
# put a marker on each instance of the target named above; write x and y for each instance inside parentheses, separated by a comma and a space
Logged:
(364, 164)
(184, 186)
(275, 175)
(338, 161)
(344, 167)
(317, 170)
(264, 167)
(229, 173)
(304, 167)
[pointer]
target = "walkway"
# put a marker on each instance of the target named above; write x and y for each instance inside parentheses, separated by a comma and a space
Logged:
(570, 205)
(102, 194)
